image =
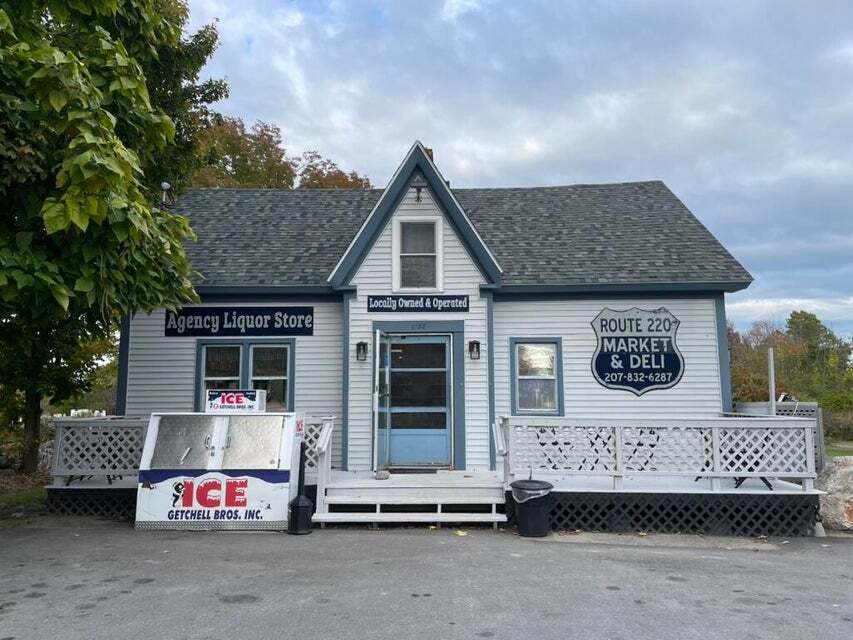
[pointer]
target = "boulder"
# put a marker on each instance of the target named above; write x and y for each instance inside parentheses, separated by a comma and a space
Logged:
(836, 507)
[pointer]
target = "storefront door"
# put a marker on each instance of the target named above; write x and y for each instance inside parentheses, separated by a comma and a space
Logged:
(413, 400)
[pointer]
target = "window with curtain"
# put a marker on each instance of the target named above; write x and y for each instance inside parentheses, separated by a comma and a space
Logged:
(536, 377)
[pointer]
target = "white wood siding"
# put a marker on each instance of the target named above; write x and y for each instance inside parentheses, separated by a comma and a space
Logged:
(461, 277)
(697, 394)
(161, 371)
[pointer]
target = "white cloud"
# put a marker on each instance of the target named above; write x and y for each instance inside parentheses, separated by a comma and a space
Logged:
(837, 313)
(751, 132)
(453, 9)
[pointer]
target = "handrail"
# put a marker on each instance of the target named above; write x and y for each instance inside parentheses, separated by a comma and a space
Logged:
(325, 439)
(500, 441)
(323, 448)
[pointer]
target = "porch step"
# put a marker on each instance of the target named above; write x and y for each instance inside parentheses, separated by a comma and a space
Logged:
(416, 495)
(414, 499)
(409, 517)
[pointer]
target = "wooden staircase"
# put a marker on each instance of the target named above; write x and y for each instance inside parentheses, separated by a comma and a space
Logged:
(441, 497)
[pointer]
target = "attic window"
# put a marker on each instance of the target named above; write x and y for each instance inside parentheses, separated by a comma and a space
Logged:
(418, 254)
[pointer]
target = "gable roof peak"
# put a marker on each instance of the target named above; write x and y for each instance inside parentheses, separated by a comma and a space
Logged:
(417, 161)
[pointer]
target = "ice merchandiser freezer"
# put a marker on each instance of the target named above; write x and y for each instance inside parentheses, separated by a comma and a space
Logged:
(206, 471)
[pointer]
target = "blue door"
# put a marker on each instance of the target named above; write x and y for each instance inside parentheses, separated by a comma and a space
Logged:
(414, 398)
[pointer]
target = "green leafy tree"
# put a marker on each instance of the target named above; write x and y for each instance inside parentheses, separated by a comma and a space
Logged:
(81, 244)
(172, 77)
(317, 172)
(812, 364)
(235, 156)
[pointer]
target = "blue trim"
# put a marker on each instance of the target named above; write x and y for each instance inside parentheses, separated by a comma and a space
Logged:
(391, 197)
(490, 338)
(560, 382)
(569, 291)
(457, 329)
(123, 362)
(245, 345)
(723, 348)
(161, 475)
(348, 296)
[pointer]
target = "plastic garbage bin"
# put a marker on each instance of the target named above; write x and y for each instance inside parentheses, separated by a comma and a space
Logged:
(532, 507)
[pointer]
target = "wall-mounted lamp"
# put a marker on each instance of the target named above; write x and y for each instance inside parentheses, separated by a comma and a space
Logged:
(361, 351)
(474, 349)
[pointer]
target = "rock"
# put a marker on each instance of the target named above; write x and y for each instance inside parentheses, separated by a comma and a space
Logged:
(836, 507)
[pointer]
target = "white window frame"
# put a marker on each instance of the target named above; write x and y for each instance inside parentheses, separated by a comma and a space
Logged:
(396, 246)
(205, 378)
(286, 378)
(517, 409)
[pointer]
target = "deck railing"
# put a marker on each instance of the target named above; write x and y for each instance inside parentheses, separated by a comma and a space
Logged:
(97, 447)
(323, 462)
(112, 447)
(713, 448)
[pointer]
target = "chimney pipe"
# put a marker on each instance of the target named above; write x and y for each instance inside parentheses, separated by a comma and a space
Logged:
(429, 153)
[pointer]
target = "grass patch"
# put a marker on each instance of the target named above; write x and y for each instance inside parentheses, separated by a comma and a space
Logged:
(22, 499)
(837, 449)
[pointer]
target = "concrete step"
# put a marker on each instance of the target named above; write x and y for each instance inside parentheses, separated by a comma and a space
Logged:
(409, 517)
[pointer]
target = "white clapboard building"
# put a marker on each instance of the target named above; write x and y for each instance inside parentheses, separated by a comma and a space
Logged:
(455, 340)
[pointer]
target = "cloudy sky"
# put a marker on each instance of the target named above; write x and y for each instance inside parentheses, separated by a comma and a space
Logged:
(745, 109)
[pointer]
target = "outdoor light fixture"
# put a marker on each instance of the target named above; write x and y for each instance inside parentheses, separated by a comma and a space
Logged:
(474, 349)
(361, 351)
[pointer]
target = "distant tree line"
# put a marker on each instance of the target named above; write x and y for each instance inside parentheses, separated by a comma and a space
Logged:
(812, 364)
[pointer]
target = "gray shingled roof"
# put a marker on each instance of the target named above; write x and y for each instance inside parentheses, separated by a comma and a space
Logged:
(626, 233)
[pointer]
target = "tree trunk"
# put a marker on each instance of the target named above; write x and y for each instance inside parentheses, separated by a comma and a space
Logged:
(32, 431)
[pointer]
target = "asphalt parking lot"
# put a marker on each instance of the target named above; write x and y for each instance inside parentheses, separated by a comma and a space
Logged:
(69, 578)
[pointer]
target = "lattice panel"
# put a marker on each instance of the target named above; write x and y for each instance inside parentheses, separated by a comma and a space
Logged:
(85, 449)
(116, 504)
(550, 449)
(672, 449)
(723, 514)
(313, 429)
(763, 450)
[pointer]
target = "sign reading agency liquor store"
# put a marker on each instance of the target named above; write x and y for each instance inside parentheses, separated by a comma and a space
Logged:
(428, 304)
(637, 350)
(213, 322)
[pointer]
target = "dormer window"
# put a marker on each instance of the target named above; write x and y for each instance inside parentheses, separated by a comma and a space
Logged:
(417, 254)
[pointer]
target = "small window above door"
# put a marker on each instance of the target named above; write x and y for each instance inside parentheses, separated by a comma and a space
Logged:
(417, 254)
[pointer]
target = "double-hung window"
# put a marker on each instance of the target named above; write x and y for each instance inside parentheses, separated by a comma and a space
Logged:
(270, 372)
(221, 366)
(249, 365)
(537, 386)
(417, 263)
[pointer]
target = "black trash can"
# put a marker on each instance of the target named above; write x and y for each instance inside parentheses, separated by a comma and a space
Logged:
(532, 507)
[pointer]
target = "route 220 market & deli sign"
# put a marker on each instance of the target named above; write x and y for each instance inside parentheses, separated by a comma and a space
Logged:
(637, 350)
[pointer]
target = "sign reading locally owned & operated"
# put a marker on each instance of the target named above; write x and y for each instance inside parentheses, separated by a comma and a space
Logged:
(212, 322)
(430, 304)
(637, 350)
